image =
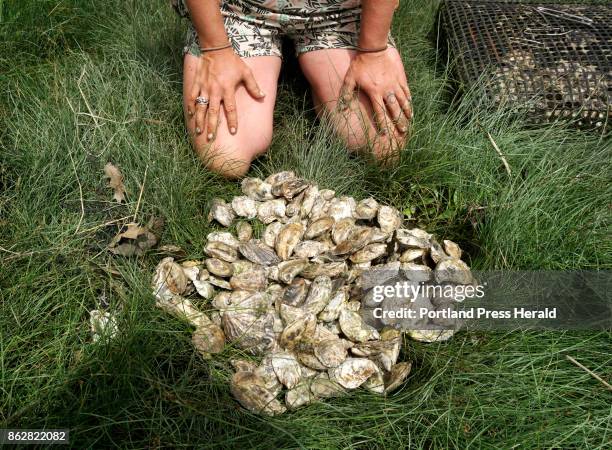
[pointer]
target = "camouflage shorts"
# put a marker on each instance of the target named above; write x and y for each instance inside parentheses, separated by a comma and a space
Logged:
(256, 27)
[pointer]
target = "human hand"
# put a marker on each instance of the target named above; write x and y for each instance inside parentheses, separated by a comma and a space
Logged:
(218, 75)
(384, 81)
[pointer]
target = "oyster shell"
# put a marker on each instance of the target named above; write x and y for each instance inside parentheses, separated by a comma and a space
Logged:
(294, 332)
(332, 310)
(318, 227)
(379, 236)
(250, 391)
(396, 376)
(453, 271)
(330, 352)
(341, 208)
(208, 339)
(358, 238)
(243, 365)
(369, 253)
(215, 317)
(436, 252)
(389, 219)
(169, 279)
(222, 301)
(222, 251)
(319, 208)
(289, 188)
(416, 272)
(183, 309)
(290, 314)
(342, 229)
(221, 212)
(280, 177)
(308, 359)
(244, 231)
(375, 383)
(242, 265)
(299, 396)
(430, 335)
(452, 249)
(102, 324)
(224, 237)
(240, 298)
(266, 371)
(191, 269)
(219, 282)
(295, 293)
(219, 267)
(411, 255)
(204, 288)
(271, 210)
(254, 279)
(249, 331)
(386, 350)
(287, 239)
(415, 237)
(275, 293)
(366, 209)
(270, 233)
(258, 253)
(244, 206)
(318, 295)
(310, 196)
(353, 372)
(322, 387)
(310, 249)
(257, 189)
(354, 328)
(332, 270)
(327, 194)
(287, 368)
(288, 270)
(293, 207)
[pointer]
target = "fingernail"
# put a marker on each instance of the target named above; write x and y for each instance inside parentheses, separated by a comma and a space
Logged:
(210, 136)
(262, 94)
(403, 129)
(233, 130)
(198, 131)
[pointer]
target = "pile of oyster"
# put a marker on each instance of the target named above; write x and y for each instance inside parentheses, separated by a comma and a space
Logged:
(291, 295)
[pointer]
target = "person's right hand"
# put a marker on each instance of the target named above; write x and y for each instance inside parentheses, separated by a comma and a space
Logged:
(217, 76)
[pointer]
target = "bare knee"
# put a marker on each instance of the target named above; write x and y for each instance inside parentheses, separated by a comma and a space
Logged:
(387, 148)
(359, 134)
(230, 158)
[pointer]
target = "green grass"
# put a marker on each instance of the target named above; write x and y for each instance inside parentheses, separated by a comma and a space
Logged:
(87, 82)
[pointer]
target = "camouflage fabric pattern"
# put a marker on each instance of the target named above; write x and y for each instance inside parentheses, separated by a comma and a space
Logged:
(256, 27)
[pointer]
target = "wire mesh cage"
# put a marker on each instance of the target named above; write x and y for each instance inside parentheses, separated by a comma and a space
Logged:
(555, 59)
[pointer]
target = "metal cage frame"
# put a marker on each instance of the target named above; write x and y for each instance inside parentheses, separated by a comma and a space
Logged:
(555, 59)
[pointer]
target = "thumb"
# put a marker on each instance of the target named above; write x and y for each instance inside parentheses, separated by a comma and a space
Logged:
(251, 85)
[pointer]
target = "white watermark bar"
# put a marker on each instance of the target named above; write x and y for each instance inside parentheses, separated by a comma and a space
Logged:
(487, 300)
(34, 436)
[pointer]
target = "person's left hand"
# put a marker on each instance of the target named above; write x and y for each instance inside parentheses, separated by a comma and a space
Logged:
(384, 81)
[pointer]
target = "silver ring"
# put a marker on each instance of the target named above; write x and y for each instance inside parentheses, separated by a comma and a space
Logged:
(201, 101)
(391, 97)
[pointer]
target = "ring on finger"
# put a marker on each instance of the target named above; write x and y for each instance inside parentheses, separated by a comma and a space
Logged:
(201, 100)
(391, 98)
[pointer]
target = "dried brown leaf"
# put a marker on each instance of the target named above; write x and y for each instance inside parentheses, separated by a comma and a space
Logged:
(133, 241)
(115, 181)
